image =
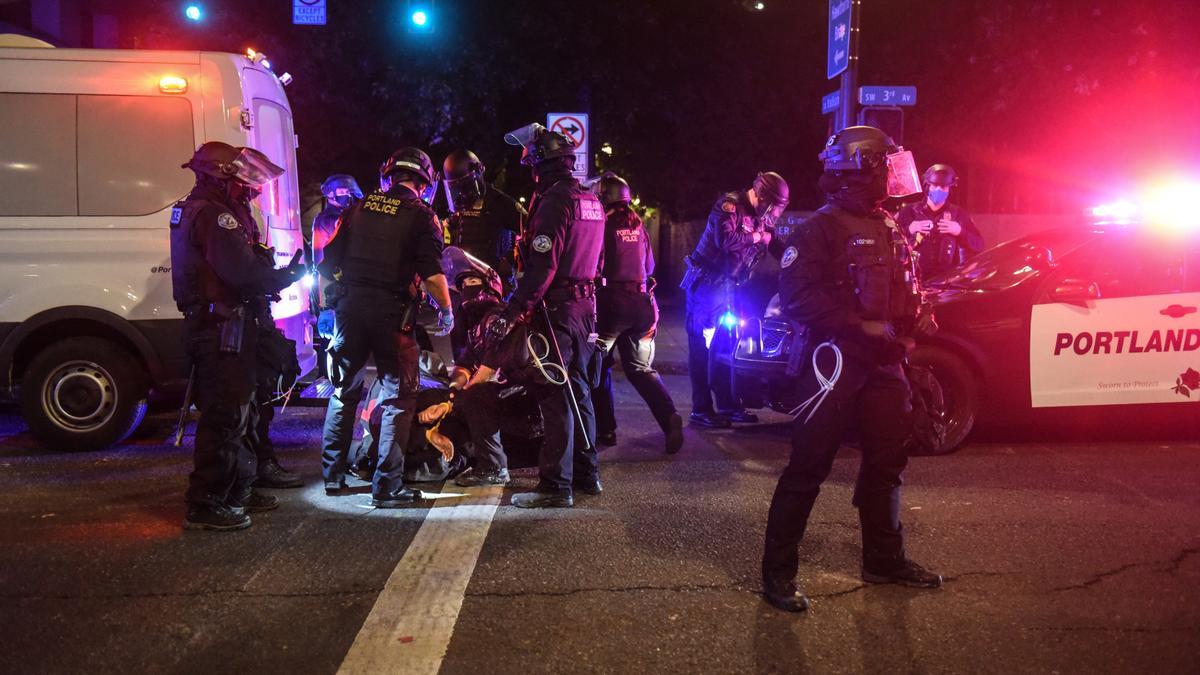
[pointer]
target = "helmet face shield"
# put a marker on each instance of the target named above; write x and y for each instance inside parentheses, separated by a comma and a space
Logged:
(254, 169)
(770, 215)
(525, 135)
(463, 192)
(902, 177)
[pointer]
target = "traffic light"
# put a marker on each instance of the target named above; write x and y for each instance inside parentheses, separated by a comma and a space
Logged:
(419, 15)
(888, 118)
(193, 12)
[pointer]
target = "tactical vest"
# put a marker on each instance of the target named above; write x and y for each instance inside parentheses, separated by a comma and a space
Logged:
(874, 258)
(584, 235)
(193, 281)
(624, 247)
(379, 229)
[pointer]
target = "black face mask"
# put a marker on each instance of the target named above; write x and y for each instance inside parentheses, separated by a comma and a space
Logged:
(343, 201)
(857, 191)
(240, 192)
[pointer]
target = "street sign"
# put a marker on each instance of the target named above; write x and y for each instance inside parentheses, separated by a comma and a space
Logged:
(887, 95)
(575, 127)
(831, 102)
(308, 12)
(837, 58)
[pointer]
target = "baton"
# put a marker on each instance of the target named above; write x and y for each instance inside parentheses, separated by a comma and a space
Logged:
(587, 442)
(187, 403)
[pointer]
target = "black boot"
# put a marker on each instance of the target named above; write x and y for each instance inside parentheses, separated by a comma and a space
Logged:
(271, 475)
(785, 596)
(255, 502)
(710, 420)
(543, 500)
(217, 518)
(394, 500)
(674, 434)
(473, 478)
(908, 573)
(739, 416)
(608, 438)
(589, 486)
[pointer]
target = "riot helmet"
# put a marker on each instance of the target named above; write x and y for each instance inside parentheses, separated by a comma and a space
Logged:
(942, 175)
(540, 145)
(469, 275)
(407, 163)
(612, 190)
(341, 189)
(225, 162)
(771, 191)
(463, 174)
(868, 151)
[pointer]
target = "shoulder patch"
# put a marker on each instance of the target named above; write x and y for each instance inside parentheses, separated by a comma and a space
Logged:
(541, 243)
(789, 257)
(227, 221)
(728, 207)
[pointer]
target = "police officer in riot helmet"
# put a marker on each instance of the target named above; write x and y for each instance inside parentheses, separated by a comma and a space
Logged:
(844, 275)
(944, 233)
(386, 245)
(483, 221)
(740, 229)
(561, 251)
(341, 192)
(217, 272)
(627, 317)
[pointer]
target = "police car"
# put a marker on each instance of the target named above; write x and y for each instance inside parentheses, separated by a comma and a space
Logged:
(1096, 324)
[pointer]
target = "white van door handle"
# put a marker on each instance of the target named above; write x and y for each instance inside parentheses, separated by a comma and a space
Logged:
(1177, 311)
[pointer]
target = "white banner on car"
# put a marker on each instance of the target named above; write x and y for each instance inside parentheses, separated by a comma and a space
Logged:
(1120, 351)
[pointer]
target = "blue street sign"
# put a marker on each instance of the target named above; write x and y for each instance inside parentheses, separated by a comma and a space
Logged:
(308, 12)
(837, 59)
(887, 95)
(831, 102)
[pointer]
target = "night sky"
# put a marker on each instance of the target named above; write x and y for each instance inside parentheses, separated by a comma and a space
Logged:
(1043, 105)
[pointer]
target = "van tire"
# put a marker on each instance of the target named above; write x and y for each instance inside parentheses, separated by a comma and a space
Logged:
(83, 394)
(959, 390)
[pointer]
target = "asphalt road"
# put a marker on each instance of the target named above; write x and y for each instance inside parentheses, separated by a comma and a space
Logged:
(1059, 557)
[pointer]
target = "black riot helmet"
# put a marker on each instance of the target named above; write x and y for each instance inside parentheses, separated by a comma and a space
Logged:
(541, 145)
(942, 175)
(613, 190)
(772, 192)
(410, 162)
(463, 173)
(857, 148)
(228, 163)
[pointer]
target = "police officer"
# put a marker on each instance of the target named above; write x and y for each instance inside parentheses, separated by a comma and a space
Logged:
(944, 234)
(843, 276)
(627, 317)
(740, 228)
(483, 220)
(341, 192)
(216, 273)
(561, 255)
(383, 246)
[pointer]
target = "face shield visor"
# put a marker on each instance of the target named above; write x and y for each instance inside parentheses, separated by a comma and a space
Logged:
(525, 135)
(463, 192)
(902, 177)
(252, 168)
(770, 213)
(430, 190)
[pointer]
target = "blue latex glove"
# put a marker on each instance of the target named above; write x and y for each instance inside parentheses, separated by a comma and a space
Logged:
(445, 321)
(325, 324)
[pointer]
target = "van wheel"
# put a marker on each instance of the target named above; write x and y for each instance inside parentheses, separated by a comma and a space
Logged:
(83, 394)
(959, 392)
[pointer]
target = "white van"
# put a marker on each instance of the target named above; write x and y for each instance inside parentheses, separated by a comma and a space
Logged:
(91, 143)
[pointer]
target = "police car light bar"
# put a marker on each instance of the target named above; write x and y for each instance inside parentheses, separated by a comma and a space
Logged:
(1169, 206)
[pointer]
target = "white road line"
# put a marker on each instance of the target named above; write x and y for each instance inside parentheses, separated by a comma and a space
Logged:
(409, 628)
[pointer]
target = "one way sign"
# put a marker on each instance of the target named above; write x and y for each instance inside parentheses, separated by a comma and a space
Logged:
(575, 127)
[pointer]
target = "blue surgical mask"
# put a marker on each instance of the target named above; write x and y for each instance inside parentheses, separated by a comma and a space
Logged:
(938, 195)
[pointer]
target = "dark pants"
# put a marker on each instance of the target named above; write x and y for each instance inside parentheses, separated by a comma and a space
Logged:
(224, 386)
(563, 458)
(628, 321)
(262, 413)
(367, 324)
(876, 401)
(710, 378)
(480, 409)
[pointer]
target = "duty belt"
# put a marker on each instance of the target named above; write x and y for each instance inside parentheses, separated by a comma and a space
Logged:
(628, 286)
(571, 290)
